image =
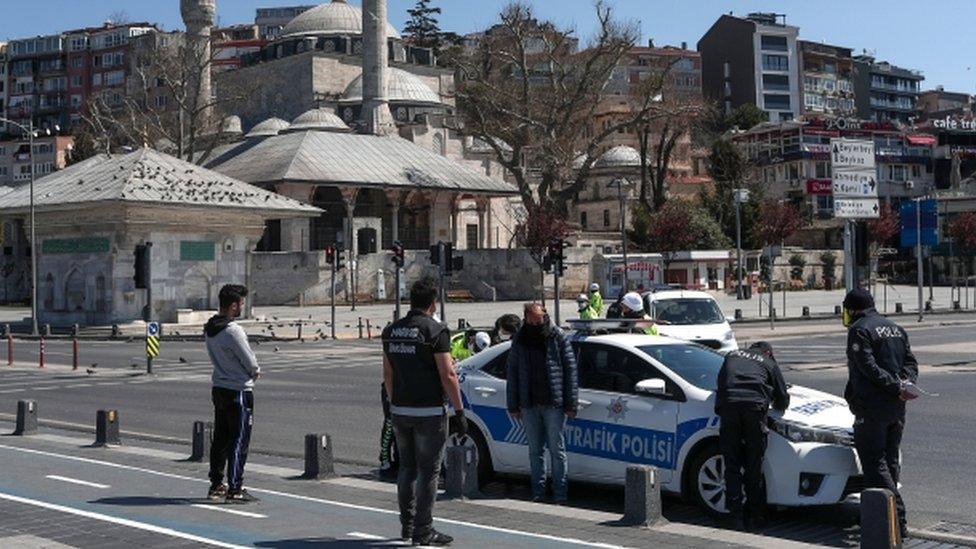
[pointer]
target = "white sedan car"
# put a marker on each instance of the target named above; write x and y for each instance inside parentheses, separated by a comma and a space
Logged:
(692, 316)
(649, 400)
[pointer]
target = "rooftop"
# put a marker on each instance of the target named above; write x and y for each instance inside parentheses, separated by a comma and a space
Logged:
(335, 18)
(401, 86)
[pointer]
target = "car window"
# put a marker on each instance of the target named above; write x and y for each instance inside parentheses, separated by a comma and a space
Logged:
(685, 311)
(696, 364)
(607, 368)
(496, 367)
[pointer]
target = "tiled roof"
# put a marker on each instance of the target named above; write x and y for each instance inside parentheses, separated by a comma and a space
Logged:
(147, 176)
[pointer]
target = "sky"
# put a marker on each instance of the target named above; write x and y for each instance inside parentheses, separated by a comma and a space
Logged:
(928, 36)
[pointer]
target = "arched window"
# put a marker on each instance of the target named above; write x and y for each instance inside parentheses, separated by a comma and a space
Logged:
(438, 144)
(48, 292)
(74, 291)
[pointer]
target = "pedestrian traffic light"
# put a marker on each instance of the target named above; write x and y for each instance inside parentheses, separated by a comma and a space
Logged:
(861, 237)
(330, 253)
(142, 266)
(398, 259)
(435, 254)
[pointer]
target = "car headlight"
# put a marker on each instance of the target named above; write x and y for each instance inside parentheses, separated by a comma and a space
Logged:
(728, 336)
(798, 432)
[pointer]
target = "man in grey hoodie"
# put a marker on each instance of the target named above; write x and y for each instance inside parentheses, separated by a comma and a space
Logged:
(234, 370)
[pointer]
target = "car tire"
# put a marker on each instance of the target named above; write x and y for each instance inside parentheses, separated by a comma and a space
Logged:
(705, 481)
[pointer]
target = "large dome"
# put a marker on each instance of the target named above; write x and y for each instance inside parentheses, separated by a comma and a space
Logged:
(317, 120)
(620, 156)
(334, 18)
(401, 86)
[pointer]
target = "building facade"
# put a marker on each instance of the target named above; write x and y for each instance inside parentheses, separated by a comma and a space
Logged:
(939, 103)
(752, 60)
(51, 153)
(827, 74)
(270, 21)
(885, 92)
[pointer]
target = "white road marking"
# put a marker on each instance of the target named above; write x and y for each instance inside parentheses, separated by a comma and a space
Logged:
(119, 521)
(231, 511)
(333, 503)
(76, 481)
(363, 535)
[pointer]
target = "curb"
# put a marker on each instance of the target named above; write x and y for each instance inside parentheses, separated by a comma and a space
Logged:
(942, 537)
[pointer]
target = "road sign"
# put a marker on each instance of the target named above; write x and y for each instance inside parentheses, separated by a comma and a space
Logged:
(909, 223)
(856, 207)
(851, 153)
(854, 184)
(152, 339)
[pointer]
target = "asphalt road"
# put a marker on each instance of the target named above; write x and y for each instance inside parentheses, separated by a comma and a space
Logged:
(333, 387)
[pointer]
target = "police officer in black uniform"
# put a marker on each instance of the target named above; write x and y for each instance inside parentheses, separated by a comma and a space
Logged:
(747, 383)
(881, 370)
(418, 372)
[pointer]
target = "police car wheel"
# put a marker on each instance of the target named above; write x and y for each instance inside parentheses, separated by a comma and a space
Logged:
(707, 481)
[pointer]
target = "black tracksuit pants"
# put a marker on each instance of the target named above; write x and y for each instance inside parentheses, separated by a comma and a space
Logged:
(233, 418)
(742, 438)
(877, 442)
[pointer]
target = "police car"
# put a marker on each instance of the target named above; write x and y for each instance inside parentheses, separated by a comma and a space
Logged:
(649, 400)
(690, 315)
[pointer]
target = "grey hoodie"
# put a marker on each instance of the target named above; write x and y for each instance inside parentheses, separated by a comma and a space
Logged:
(234, 365)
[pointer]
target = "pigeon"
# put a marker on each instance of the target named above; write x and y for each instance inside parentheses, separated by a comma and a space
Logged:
(133, 365)
(277, 349)
(183, 360)
(94, 365)
(89, 371)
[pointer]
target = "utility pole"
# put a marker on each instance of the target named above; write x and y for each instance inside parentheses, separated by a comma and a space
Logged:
(741, 195)
(918, 255)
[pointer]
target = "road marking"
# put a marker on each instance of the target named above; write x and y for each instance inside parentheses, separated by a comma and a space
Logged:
(120, 521)
(76, 481)
(231, 511)
(333, 503)
(363, 535)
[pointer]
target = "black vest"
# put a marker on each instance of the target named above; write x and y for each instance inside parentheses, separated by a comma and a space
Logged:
(409, 345)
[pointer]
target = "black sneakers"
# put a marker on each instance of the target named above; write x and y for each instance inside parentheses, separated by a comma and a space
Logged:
(217, 492)
(406, 532)
(433, 538)
(241, 496)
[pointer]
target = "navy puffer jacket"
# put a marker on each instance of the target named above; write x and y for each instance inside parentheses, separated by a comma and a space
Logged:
(561, 364)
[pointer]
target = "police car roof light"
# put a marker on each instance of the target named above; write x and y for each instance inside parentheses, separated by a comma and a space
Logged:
(608, 324)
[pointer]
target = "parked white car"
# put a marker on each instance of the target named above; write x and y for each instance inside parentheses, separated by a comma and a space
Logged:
(692, 316)
(649, 400)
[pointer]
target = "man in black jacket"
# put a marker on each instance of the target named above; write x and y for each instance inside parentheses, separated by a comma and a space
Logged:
(881, 368)
(747, 383)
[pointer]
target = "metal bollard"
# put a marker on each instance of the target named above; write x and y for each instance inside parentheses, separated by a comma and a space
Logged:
(116, 332)
(460, 324)
(41, 355)
(360, 327)
(898, 308)
(10, 347)
(738, 314)
(74, 347)
(955, 305)
(107, 428)
(299, 330)
(461, 475)
(642, 496)
(47, 330)
(806, 312)
(319, 460)
(928, 306)
(200, 443)
(26, 418)
(369, 330)
(879, 519)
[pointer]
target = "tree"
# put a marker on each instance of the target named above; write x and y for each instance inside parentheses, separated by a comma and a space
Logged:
(678, 226)
(962, 229)
(657, 140)
(884, 227)
(537, 228)
(778, 221)
(422, 29)
(730, 171)
(828, 260)
(531, 97)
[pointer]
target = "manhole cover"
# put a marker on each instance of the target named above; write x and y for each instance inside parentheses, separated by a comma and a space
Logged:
(955, 528)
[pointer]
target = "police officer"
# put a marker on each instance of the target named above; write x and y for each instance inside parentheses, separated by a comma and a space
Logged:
(596, 299)
(881, 368)
(747, 383)
(632, 307)
(584, 309)
(418, 373)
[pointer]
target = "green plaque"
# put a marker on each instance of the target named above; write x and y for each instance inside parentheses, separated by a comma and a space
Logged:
(88, 245)
(191, 250)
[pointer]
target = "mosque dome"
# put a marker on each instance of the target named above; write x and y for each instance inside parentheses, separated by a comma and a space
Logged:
(401, 86)
(335, 18)
(268, 128)
(319, 119)
(620, 156)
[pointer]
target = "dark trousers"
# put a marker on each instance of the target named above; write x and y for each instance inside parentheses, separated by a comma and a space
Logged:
(420, 441)
(233, 418)
(742, 438)
(877, 442)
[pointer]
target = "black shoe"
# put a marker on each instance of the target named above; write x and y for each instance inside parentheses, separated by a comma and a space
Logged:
(433, 538)
(735, 522)
(904, 532)
(388, 474)
(241, 496)
(406, 533)
(217, 492)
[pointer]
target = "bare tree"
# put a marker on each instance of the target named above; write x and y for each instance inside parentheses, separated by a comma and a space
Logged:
(658, 140)
(530, 96)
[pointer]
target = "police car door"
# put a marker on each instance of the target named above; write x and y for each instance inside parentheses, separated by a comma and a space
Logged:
(617, 427)
(485, 392)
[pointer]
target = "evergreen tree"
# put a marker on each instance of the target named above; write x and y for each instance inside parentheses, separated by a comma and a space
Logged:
(423, 29)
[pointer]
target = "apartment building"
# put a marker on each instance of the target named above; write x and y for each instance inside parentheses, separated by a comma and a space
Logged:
(3, 86)
(827, 75)
(51, 153)
(270, 21)
(885, 92)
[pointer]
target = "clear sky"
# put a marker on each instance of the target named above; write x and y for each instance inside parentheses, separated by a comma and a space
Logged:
(932, 36)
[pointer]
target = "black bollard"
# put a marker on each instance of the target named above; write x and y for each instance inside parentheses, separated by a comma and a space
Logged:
(26, 418)
(107, 428)
(837, 310)
(879, 519)
(738, 314)
(898, 308)
(806, 312)
(200, 443)
(319, 461)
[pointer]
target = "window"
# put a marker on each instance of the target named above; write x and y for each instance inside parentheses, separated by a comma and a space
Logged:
(77, 62)
(78, 43)
(606, 368)
(780, 82)
(687, 311)
(161, 101)
(775, 101)
(773, 43)
(825, 203)
(822, 170)
(114, 78)
(76, 81)
(75, 100)
(497, 367)
(695, 364)
(775, 62)
(606, 218)
(97, 79)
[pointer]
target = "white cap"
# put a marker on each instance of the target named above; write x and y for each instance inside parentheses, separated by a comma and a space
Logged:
(582, 298)
(633, 301)
(594, 287)
(481, 341)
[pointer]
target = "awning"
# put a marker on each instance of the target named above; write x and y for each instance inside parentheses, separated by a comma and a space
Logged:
(920, 140)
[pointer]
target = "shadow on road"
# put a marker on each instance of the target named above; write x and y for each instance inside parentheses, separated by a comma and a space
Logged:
(149, 501)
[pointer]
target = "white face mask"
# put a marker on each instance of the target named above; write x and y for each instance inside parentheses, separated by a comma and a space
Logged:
(504, 336)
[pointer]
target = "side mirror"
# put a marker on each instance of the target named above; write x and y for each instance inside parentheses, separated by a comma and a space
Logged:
(730, 319)
(653, 386)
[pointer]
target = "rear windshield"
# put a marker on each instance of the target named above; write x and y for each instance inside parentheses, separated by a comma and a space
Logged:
(686, 310)
(696, 364)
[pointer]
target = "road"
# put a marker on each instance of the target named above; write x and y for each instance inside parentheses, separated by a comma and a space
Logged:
(333, 387)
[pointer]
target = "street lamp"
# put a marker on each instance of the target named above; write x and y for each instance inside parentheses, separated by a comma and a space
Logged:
(620, 183)
(31, 134)
(739, 196)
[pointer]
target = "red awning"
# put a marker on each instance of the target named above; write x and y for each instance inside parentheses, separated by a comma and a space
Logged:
(921, 140)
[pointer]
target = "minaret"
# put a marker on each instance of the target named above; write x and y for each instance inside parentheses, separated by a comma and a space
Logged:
(198, 16)
(376, 110)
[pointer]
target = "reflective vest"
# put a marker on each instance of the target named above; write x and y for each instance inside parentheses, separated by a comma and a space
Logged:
(587, 313)
(459, 349)
(596, 302)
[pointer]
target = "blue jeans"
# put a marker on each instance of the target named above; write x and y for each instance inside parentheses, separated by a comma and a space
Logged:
(544, 427)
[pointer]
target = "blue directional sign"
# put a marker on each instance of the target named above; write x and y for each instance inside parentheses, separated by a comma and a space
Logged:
(909, 223)
(152, 328)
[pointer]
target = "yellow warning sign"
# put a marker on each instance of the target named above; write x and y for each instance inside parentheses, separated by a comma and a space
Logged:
(152, 346)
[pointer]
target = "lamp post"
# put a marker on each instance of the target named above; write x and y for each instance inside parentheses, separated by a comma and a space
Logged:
(620, 183)
(740, 196)
(31, 131)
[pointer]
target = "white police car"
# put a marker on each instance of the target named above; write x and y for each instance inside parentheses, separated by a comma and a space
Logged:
(692, 316)
(649, 400)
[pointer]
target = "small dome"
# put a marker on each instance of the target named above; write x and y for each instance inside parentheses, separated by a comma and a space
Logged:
(401, 86)
(271, 126)
(334, 18)
(318, 120)
(231, 125)
(579, 161)
(620, 156)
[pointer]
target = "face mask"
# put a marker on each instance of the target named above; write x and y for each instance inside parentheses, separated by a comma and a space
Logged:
(846, 317)
(504, 336)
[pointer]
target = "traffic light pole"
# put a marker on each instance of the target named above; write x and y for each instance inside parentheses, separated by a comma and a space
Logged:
(396, 292)
(442, 259)
(149, 309)
(335, 258)
(555, 291)
(918, 255)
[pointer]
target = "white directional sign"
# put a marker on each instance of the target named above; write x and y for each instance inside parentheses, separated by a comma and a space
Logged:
(856, 207)
(851, 154)
(854, 184)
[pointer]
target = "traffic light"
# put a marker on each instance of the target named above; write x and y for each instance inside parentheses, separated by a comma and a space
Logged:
(398, 254)
(330, 254)
(142, 266)
(861, 237)
(333, 256)
(556, 255)
(435, 254)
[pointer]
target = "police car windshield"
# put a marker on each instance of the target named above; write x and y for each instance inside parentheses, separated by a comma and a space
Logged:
(696, 364)
(685, 311)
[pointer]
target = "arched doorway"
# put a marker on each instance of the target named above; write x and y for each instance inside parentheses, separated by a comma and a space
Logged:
(326, 229)
(74, 292)
(196, 291)
(101, 305)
